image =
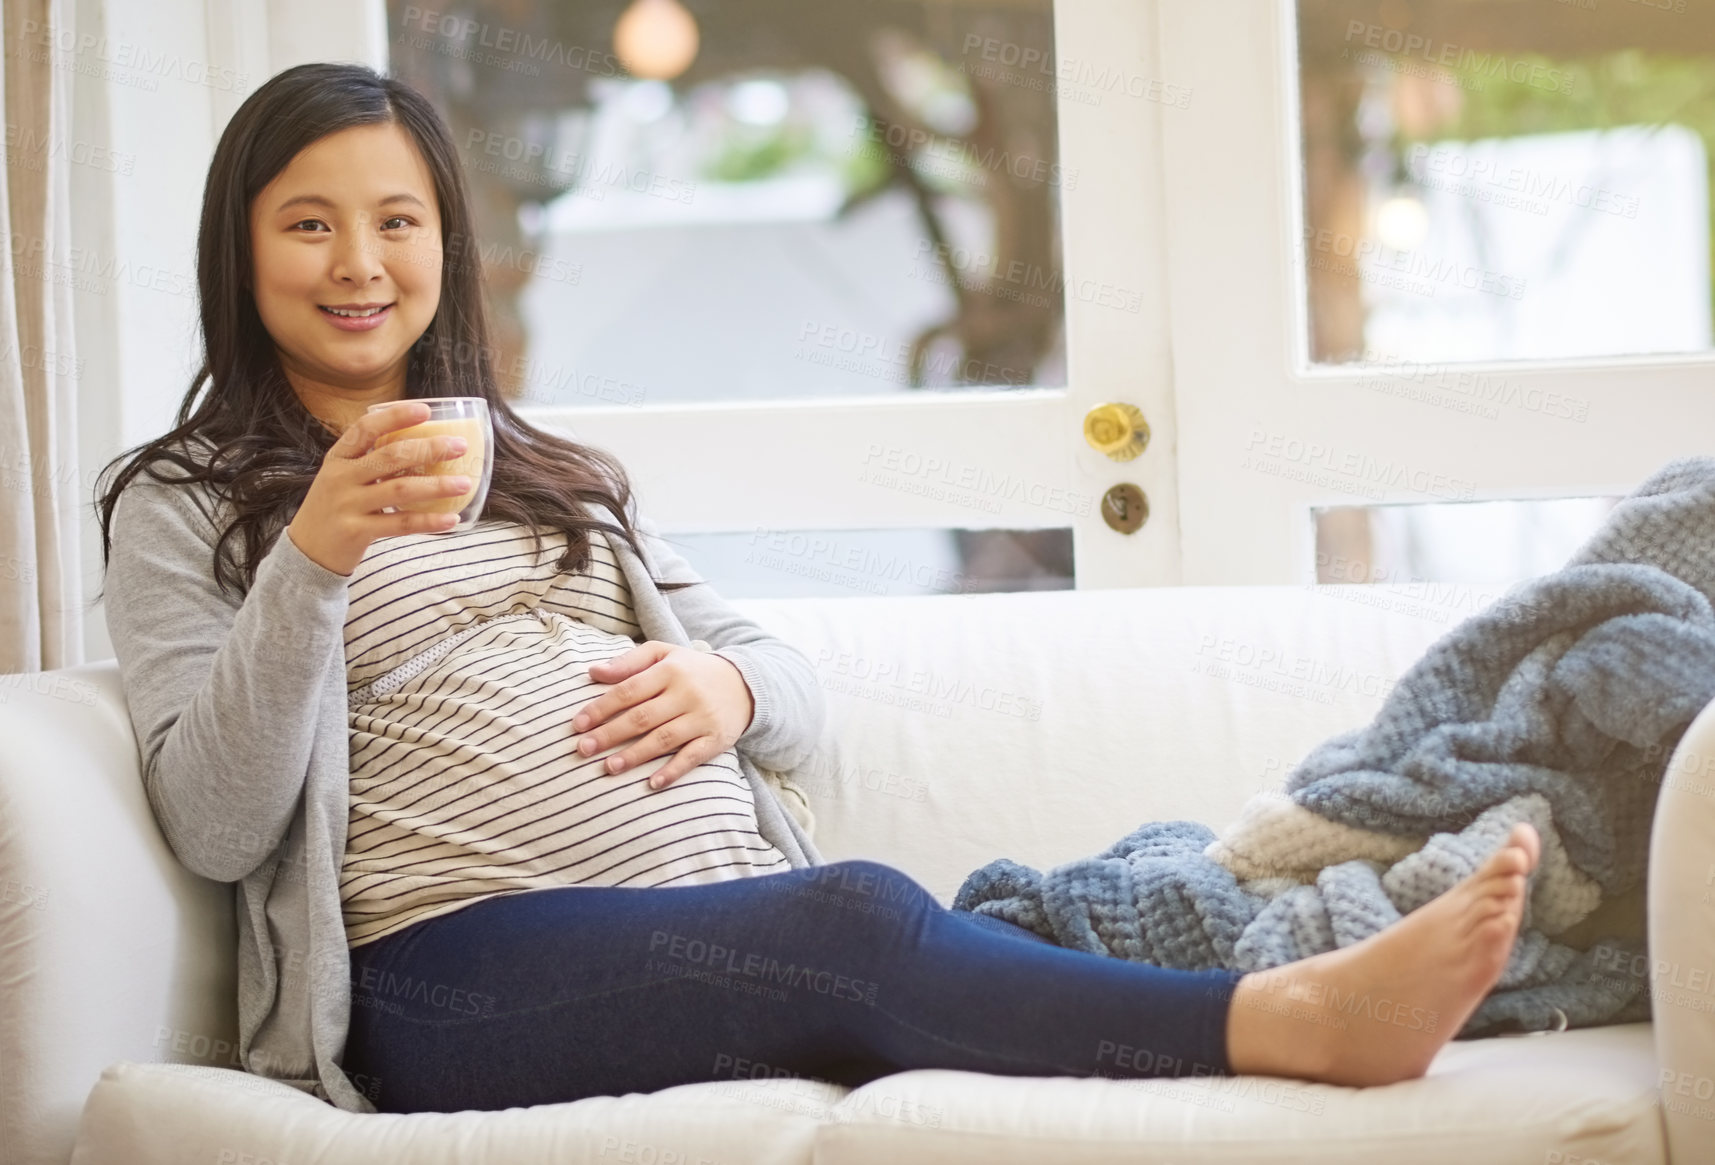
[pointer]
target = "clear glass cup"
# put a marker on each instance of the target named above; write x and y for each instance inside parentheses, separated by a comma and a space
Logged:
(451, 416)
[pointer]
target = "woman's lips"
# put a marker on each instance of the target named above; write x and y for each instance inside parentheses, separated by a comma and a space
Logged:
(356, 323)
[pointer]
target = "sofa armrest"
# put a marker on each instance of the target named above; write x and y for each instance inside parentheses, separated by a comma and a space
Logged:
(1682, 942)
(109, 949)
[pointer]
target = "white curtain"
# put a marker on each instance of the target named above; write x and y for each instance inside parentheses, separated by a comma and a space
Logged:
(42, 492)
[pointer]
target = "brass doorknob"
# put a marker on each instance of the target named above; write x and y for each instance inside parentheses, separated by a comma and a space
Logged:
(1117, 430)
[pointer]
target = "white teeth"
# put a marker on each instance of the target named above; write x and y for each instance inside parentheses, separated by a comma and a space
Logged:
(351, 314)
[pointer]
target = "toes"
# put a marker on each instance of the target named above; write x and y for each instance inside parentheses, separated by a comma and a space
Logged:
(1517, 855)
(1496, 929)
(1525, 837)
(1493, 931)
(1493, 895)
(1509, 888)
(1511, 884)
(1490, 910)
(1506, 862)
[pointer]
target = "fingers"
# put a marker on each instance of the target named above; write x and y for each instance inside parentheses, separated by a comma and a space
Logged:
(360, 436)
(632, 680)
(654, 709)
(621, 667)
(402, 492)
(377, 448)
(690, 755)
(394, 459)
(663, 739)
(419, 522)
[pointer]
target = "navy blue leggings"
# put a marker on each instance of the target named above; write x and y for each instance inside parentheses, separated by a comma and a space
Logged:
(843, 972)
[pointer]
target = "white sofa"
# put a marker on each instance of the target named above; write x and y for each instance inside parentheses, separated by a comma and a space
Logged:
(1039, 727)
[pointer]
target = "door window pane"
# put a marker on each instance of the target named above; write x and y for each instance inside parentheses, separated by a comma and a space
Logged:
(1495, 180)
(783, 564)
(1489, 544)
(700, 200)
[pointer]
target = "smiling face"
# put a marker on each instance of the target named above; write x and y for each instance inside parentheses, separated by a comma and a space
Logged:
(346, 254)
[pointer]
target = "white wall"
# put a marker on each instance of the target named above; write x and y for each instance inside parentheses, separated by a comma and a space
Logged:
(155, 81)
(135, 229)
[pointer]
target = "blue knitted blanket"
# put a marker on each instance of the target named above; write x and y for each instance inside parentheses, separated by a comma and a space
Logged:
(1560, 705)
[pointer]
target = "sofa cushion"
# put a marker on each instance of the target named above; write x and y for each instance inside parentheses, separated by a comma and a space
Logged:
(1584, 1097)
(1575, 1098)
(164, 1114)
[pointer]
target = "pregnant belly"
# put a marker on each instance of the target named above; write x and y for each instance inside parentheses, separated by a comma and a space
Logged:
(467, 774)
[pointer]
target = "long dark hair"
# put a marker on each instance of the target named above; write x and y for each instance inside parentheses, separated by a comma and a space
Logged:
(251, 438)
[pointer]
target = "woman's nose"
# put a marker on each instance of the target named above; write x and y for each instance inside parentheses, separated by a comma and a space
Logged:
(356, 259)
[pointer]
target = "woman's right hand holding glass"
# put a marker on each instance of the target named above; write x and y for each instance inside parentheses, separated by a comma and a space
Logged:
(342, 512)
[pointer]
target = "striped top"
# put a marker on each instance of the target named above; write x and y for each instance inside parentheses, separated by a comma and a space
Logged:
(467, 655)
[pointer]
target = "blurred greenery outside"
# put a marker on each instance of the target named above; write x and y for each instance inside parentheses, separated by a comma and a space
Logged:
(1629, 87)
(748, 153)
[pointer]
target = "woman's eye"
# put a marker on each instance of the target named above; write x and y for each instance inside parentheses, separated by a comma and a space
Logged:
(396, 223)
(309, 224)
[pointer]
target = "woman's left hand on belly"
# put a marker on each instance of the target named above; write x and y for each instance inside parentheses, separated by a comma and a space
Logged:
(665, 699)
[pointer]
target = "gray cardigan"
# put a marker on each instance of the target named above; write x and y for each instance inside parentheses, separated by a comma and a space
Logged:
(241, 723)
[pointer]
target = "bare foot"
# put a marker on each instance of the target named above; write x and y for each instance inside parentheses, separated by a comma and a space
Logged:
(1378, 1011)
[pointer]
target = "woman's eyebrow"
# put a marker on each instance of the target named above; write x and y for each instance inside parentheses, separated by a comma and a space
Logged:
(304, 200)
(327, 204)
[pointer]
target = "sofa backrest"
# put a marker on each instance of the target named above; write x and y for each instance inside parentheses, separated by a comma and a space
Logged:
(1044, 726)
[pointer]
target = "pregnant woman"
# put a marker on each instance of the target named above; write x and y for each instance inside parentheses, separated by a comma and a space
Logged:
(493, 798)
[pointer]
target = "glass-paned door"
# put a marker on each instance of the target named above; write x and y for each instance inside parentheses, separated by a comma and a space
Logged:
(1429, 256)
(842, 275)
